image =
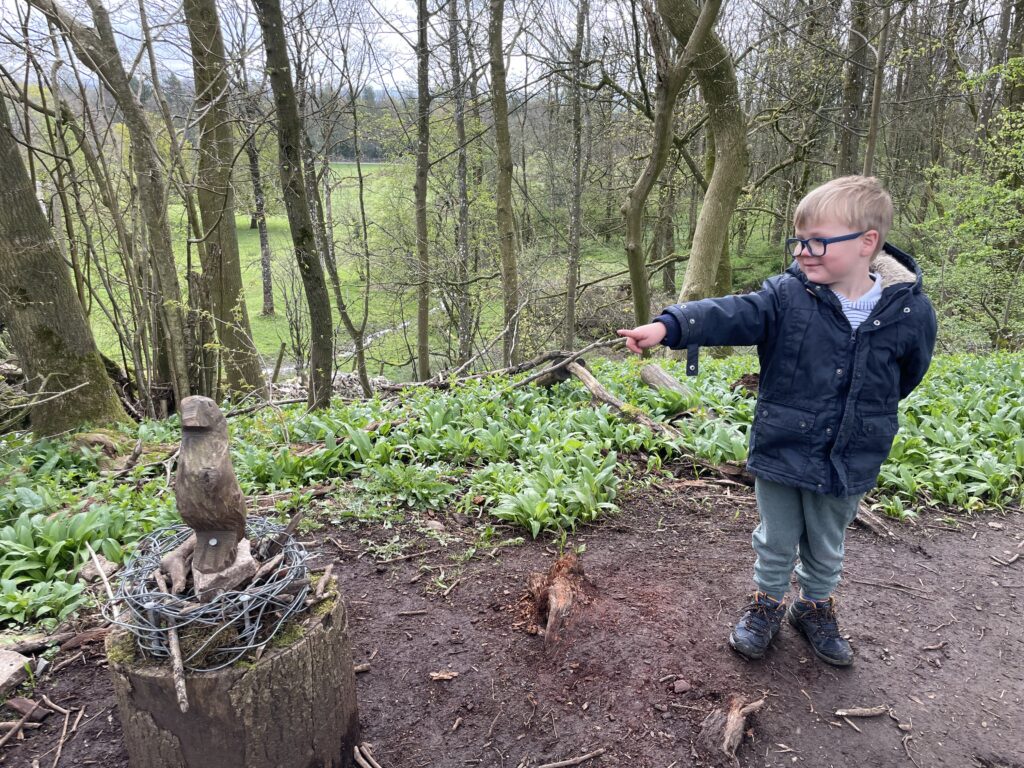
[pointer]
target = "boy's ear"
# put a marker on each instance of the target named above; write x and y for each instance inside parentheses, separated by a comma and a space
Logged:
(871, 242)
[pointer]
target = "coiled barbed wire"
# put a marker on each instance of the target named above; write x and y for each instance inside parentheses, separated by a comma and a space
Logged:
(226, 628)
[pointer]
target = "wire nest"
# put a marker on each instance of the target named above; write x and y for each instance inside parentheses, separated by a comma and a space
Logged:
(216, 634)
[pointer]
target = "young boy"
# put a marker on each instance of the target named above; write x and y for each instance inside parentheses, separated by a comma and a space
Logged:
(842, 336)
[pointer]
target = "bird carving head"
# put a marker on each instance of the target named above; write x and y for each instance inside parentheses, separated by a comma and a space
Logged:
(200, 413)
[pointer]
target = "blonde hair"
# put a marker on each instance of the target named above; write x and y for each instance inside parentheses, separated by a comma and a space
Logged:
(860, 202)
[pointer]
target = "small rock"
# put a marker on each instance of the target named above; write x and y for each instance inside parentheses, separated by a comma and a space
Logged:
(90, 573)
(661, 707)
(681, 686)
(12, 670)
(434, 525)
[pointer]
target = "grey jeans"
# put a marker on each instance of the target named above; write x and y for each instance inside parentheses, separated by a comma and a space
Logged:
(798, 522)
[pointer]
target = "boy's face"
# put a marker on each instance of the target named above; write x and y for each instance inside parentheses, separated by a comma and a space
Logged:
(844, 262)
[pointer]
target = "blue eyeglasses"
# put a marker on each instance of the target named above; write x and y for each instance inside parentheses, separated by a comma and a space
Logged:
(816, 245)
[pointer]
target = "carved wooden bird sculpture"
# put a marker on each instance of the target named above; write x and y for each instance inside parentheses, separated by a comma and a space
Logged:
(209, 498)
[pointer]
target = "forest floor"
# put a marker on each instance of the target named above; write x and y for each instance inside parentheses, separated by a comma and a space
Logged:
(934, 619)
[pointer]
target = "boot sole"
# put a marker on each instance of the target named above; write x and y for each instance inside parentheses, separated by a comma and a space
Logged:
(827, 659)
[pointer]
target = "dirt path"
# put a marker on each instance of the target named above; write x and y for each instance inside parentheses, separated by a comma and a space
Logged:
(942, 644)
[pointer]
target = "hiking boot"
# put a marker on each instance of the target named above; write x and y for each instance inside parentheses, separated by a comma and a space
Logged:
(816, 621)
(757, 626)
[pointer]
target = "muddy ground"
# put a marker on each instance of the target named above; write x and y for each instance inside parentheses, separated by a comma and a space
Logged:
(934, 619)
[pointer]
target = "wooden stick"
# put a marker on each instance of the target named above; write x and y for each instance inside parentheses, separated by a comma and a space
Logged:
(99, 570)
(268, 566)
(177, 666)
(568, 360)
(18, 725)
(63, 738)
(8, 724)
(575, 760)
(31, 646)
(321, 585)
(452, 586)
(360, 668)
(54, 707)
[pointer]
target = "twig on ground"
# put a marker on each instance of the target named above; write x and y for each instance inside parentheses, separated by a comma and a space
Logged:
(400, 558)
(898, 587)
(1011, 561)
(360, 668)
(881, 709)
(451, 586)
(18, 725)
(575, 760)
(55, 707)
(63, 738)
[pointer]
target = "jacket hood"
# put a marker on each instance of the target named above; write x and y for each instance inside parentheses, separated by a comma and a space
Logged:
(892, 265)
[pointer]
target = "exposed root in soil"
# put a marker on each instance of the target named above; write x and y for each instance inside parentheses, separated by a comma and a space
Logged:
(722, 730)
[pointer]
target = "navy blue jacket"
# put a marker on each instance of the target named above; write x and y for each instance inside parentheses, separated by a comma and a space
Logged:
(827, 397)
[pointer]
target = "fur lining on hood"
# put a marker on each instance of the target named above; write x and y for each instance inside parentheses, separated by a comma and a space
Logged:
(891, 271)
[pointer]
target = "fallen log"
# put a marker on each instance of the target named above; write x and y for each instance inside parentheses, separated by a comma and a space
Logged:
(654, 376)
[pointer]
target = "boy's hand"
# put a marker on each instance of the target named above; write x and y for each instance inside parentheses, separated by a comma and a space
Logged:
(643, 337)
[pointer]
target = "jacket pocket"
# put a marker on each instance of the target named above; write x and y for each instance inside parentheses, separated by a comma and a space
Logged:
(782, 437)
(869, 446)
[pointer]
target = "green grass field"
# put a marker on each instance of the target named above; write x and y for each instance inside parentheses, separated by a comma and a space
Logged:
(389, 204)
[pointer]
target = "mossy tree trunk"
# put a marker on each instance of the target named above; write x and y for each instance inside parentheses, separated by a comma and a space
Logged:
(41, 309)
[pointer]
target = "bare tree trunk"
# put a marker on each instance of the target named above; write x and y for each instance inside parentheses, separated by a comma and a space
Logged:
(422, 169)
(289, 143)
(672, 74)
(854, 81)
(717, 78)
(665, 237)
(260, 218)
(222, 270)
(43, 314)
(575, 211)
(462, 302)
(97, 49)
(503, 193)
(876, 93)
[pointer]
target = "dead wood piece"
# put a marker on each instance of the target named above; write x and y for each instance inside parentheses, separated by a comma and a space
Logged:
(92, 635)
(16, 729)
(361, 668)
(722, 730)
(268, 566)
(24, 706)
(626, 411)
(881, 709)
(364, 758)
(445, 675)
(176, 564)
(209, 584)
(177, 665)
(321, 585)
(873, 522)
(654, 376)
(554, 594)
(574, 760)
(6, 725)
(31, 645)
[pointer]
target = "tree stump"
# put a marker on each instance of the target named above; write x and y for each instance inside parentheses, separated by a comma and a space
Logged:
(295, 707)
